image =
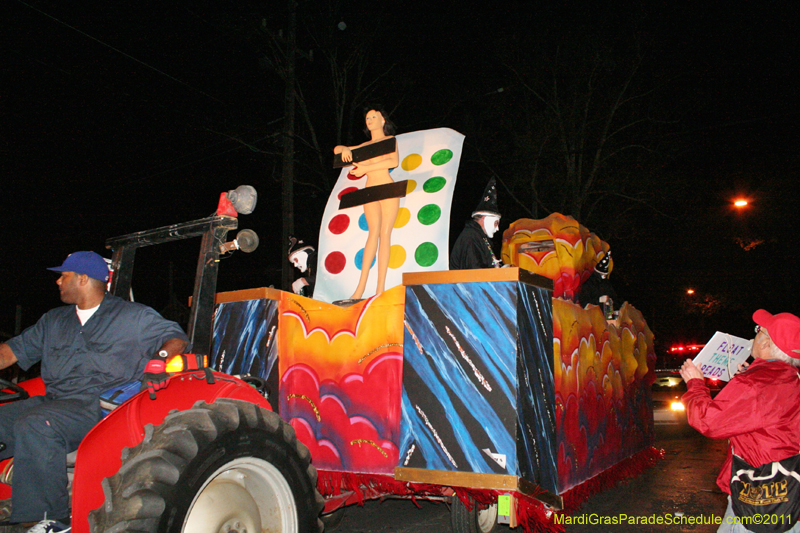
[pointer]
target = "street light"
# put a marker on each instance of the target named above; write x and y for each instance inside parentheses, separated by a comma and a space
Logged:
(689, 291)
(740, 203)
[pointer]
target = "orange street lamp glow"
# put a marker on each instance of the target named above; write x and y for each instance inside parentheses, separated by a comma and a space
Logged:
(690, 291)
(740, 203)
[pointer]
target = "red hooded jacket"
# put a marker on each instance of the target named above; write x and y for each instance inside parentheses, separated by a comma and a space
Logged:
(759, 411)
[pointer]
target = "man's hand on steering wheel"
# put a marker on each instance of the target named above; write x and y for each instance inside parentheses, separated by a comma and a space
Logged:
(17, 392)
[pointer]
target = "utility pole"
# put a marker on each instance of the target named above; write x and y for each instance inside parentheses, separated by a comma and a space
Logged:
(288, 146)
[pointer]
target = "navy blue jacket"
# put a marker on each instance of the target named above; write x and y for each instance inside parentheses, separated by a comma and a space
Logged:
(81, 361)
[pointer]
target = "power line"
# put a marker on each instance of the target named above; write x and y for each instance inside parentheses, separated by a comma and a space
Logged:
(173, 78)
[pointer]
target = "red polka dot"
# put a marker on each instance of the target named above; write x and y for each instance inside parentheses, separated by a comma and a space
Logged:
(347, 190)
(352, 177)
(339, 224)
(335, 262)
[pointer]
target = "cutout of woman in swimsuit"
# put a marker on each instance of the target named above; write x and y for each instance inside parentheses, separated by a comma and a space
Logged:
(380, 215)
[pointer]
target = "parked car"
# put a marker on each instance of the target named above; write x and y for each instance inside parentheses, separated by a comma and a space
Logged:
(666, 393)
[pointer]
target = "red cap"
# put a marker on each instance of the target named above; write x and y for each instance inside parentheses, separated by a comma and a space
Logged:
(783, 329)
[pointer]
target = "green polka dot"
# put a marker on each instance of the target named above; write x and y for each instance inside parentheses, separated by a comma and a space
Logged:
(434, 184)
(429, 214)
(442, 156)
(426, 254)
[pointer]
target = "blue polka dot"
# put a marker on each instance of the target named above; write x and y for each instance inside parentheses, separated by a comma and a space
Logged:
(360, 259)
(362, 223)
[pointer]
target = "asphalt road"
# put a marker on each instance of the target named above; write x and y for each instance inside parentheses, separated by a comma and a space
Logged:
(683, 482)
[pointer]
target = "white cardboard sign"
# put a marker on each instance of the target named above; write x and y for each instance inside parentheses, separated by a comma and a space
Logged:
(722, 355)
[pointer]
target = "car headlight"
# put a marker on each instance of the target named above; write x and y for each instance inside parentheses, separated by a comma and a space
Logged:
(676, 406)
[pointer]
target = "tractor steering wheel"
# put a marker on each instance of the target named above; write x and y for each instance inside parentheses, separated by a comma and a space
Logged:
(10, 392)
(258, 383)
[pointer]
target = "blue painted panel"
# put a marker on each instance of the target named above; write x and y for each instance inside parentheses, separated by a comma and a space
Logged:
(246, 341)
(459, 378)
(536, 441)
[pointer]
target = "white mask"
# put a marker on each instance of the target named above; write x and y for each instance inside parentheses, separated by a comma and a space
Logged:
(490, 225)
(300, 261)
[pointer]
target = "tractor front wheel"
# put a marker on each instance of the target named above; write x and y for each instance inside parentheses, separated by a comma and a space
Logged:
(225, 467)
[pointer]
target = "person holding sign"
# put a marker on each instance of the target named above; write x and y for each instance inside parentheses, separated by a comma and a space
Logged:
(381, 214)
(759, 411)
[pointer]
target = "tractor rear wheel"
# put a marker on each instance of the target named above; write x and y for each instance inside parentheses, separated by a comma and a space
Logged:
(225, 467)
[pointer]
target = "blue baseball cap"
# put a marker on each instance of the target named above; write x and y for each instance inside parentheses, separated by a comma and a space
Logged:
(89, 263)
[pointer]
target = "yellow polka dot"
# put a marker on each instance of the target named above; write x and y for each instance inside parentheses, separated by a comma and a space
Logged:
(410, 162)
(403, 216)
(397, 256)
(410, 186)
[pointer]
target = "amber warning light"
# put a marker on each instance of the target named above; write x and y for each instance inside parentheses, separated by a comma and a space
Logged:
(185, 362)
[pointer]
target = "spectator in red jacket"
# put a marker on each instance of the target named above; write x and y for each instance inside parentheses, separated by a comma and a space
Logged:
(759, 410)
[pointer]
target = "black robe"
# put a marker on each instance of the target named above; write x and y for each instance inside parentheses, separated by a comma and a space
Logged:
(595, 287)
(310, 275)
(472, 249)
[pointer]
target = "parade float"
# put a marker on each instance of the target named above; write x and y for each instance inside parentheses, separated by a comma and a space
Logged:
(476, 385)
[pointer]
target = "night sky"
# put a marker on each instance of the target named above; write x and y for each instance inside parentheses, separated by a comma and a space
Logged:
(120, 117)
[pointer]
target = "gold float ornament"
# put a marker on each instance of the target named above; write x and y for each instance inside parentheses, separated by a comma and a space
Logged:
(371, 443)
(557, 247)
(310, 402)
(381, 347)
